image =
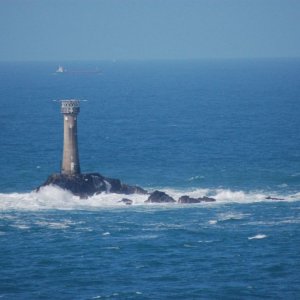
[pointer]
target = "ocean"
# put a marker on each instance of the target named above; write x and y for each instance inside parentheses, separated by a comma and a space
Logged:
(227, 129)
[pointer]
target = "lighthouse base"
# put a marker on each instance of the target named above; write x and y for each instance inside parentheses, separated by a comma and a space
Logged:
(89, 184)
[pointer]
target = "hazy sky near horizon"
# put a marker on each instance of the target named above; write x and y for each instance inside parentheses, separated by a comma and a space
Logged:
(59, 30)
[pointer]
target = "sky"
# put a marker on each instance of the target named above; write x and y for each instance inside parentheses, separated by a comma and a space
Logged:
(56, 30)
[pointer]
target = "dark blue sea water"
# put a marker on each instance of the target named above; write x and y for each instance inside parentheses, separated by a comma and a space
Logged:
(227, 129)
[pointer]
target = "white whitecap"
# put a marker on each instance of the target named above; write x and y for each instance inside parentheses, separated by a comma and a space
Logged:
(206, 241)
(53, 225)
(21, 226)
(53, 197)
(257, 237)
(189, 246)
(111, 248)
(194, 178)
(231, 216)
(212, 222)
(283, 185)
(295, 174)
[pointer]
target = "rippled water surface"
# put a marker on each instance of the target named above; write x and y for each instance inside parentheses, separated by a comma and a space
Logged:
(153, 252)
(225, 129)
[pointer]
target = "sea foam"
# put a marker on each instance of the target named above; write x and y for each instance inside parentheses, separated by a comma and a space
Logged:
(53, 197)
(257, 237)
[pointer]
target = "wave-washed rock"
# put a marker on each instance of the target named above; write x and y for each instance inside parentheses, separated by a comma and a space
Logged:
(159, 197)
(274, 198)
(187, 199)
(126, 201)
(89, 184)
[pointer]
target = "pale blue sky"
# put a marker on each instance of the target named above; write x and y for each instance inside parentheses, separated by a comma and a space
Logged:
(148, 29)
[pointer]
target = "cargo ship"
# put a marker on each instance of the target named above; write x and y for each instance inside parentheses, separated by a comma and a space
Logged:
(61, 69)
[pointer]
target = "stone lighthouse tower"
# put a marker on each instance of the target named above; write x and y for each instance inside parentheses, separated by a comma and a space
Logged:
(70, 178)
(70, 161)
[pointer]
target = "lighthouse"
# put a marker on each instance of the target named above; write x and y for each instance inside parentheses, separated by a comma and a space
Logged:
(70, 160)
(70, 178)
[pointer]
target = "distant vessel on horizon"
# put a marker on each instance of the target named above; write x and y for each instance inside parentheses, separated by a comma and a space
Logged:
(61, 69)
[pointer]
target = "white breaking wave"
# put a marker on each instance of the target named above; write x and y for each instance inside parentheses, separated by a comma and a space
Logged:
(229, 196)
(212, 222)
(257, 237)
(230, 216)
(53, 197)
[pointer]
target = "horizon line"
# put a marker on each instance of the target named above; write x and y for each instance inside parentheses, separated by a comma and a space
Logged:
(114, 60)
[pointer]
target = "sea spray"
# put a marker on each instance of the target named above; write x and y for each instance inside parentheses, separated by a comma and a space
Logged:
(53, 197)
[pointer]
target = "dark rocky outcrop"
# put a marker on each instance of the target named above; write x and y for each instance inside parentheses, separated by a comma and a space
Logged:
(85, 185)
(207, 199)
(159, 197)
(89, 184)
(274, 198)
(187, 199)
(126, 201)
